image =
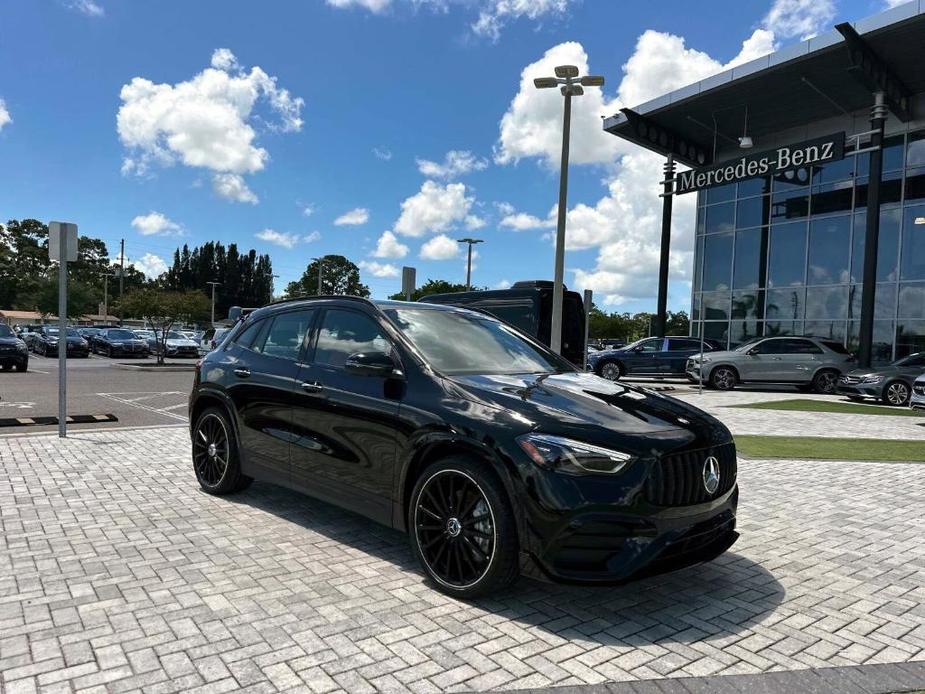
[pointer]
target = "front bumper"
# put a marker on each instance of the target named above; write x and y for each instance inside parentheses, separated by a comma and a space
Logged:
(14, 358)
(864, 390)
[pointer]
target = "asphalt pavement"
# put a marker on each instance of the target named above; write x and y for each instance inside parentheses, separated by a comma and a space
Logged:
(96, 386)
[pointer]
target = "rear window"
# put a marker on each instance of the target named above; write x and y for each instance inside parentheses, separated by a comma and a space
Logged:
(837, 347)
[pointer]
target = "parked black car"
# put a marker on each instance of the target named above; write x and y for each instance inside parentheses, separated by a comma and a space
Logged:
(493, 453)
(27, 334)
(46, 343)
(892, 384)
(13, 351)
(114, 342)
(651, 356)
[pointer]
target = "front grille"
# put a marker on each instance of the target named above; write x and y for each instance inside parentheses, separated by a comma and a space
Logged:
(849, 380)
(677, 479)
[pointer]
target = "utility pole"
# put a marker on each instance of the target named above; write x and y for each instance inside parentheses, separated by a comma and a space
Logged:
(121, 280)
(214, 284)
(571, 85)
(320, 262)
(106, 277)
(471, 243)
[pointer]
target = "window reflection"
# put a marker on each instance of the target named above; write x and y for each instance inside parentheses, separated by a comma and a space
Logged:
(720, 218)
(829, 245)
(785, 303)
(913, 260)
(747, 259)
(827, 302)
(717, 261)
(787, 254)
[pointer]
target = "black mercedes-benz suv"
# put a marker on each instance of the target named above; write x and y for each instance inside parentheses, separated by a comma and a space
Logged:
(496, 455)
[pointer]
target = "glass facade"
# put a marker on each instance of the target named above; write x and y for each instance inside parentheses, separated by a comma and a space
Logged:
(784, 255)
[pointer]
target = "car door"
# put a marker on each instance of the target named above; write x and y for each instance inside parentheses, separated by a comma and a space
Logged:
(263, 366)
(645, 357)
(762, 362)
(346, 425)
(799, 359)
(679, 349)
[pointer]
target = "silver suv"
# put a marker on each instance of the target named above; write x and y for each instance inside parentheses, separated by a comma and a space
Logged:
(807, 362)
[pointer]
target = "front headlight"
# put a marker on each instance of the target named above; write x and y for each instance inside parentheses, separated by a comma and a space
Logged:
(872, 379)
(571, 457)
(118, 344)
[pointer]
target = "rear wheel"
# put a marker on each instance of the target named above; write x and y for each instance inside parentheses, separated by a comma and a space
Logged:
(462, 528)
(215, 454)
(724, 378)
(825, 381)
(22, 366)
(896, 393)
(611, 370)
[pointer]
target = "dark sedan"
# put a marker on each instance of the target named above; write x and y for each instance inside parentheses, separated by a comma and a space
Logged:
(494, 453)
(13, 351)
(652, 356)
(115, 342)
(47, 339)
(892, 384)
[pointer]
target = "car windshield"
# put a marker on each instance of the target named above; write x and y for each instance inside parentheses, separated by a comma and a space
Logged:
(917, 359)
(457, 343)
(6, 332)
(120, 335)
(174, 335)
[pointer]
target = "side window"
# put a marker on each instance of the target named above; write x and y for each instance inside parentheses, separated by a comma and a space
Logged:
(769, 347)
(343, 333)
(254, 335)
(682, 345)
(803, 347)
(284, 337)
(651, 345)
(518, 314)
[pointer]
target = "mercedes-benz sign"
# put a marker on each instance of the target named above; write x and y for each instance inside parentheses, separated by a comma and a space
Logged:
(711, 474)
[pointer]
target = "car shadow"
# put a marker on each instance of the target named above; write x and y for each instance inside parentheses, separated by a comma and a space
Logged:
(710, 601)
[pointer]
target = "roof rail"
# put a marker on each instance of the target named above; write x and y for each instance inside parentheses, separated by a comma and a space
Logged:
(309, 297)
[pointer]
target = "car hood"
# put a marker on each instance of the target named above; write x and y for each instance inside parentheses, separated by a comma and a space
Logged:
(593, 409)
(180, 343)
(719, 354)
(882, 371)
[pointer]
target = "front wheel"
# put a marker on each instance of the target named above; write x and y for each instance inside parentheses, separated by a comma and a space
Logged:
(896, 393)
(723, 378)
(22, 366)
(215, 455)
(611, 371)
(825, 381)
(462, 528)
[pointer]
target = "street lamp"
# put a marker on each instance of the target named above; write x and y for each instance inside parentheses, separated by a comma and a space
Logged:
(570, 84)
(471, 243)
(214, 285)
(320, 262)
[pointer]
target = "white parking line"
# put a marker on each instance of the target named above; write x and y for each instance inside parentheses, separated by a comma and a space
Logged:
(135, 402)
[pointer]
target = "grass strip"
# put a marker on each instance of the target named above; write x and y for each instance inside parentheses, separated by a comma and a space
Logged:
(833, 406)
(822, 448)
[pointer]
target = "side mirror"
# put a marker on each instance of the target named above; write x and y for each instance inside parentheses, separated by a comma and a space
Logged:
(637, 349)
(370, 364)
(752, 352)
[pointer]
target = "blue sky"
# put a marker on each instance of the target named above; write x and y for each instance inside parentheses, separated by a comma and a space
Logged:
(265, 123)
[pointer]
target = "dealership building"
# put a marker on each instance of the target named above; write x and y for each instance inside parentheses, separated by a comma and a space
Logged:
(787, 155)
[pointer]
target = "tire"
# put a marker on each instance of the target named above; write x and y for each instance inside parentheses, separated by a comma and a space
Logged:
(897, 393)
(724, 378)
(218, 469)
(22, 367)
(611, 370)
(481, 540)
(109, 352)
(825, 381)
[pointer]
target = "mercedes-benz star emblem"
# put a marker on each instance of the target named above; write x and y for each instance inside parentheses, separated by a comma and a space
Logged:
(711, 474)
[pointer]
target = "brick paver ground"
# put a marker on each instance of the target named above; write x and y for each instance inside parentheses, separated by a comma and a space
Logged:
(118, 574)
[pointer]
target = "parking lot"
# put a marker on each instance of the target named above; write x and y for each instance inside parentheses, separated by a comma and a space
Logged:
(96, 385)
(116, 572)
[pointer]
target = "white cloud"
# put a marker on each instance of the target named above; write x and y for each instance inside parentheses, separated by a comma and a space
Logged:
(382, 153)
(278, 238)
(155, 223)
(206, 122)
(800, 18)
(473, 222)
(151, 265)
(87, 7)
(435, 208)
(496, 13)
(389, 246)
(374, 6)
(312, 237)
(232, 187)
(358, 215)
(5, 116)
(456, 163)
(521, 221)
(502, 284)
(379, 269)
(890, 4)
(440, 247)
(308, 210)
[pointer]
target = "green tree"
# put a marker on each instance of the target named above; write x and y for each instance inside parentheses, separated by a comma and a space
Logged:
(81, 296)
(432, 287)
(338, 276)
(162, 309)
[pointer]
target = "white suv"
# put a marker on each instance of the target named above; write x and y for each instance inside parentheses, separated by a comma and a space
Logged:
(917, 401)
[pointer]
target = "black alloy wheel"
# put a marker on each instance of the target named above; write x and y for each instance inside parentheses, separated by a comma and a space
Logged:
(462, 528)
(896, 393)
(215, 455)
(723, 378)
(611, 370)
(825, 381)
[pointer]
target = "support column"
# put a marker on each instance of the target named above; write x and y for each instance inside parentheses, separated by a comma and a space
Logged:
(878, 116)
(667, 198)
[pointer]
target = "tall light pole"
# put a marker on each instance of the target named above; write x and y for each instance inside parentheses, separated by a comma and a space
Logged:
(214, 285)
(471, 243)
(570, 84)
(106, 276)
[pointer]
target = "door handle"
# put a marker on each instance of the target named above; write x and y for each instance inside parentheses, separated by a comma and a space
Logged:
(312, 387)
(242, 372)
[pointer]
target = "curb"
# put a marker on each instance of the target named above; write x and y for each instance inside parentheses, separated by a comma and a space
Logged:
(169, 368)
